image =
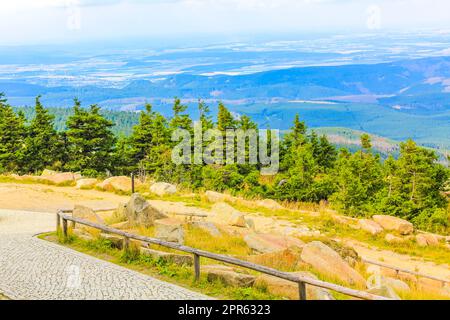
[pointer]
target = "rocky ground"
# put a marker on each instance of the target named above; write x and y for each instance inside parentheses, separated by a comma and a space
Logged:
(266, 235)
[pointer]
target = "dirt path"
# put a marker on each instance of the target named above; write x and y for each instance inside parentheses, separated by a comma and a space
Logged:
(44, 198)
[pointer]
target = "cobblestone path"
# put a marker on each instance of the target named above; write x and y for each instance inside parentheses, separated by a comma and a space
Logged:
(31, 268)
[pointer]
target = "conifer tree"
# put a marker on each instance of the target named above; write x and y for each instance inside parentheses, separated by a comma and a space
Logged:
(225, 119)
(359, 180)
(12, 135)
(416, 180)
(90, 140)
(42, 146)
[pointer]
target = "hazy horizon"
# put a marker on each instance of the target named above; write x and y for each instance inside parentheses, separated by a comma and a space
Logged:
(74, 21)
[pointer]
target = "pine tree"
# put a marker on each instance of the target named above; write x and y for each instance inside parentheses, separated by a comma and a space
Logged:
(324, 152)
(12, 135)
(327, 154)
(180, 120)
(359, 180)
(42, 147)
(415, 182)
(150, 143)
(90, 141)
(291, 142)
(225, 119)
(141, 139)
(205, 117)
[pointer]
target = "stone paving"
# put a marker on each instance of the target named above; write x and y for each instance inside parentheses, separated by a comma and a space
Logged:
(31, 268)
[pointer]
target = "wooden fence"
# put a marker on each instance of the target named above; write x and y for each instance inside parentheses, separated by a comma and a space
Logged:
(302, 281)
(398, 270)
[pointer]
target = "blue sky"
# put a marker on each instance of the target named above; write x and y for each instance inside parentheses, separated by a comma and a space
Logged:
(53, 21)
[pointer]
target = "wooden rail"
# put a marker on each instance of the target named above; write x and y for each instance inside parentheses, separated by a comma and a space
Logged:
(302, 281)
(398, 270)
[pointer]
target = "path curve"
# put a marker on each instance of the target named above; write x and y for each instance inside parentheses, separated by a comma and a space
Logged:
(32, 268)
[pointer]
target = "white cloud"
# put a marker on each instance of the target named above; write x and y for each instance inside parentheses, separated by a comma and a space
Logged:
(24, 21)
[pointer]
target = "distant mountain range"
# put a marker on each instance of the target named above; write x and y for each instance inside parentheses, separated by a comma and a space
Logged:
(397, 100)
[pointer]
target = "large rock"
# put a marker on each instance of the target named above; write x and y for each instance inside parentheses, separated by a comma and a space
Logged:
(427, 239)
(179, 259)
(208, 227)
(269, 204)
(163, 189)
(370, 226)
(396, 284)
(86, 183)
(384, 291)
(59, 178)
(340, 219)
(140, 211)
(122, 184)
(394, 224)
(215, 197)
(347, 253)
(329, 262)
(226, 214)
(228, 276)
(86, 213)
(267, 243)
(170, 230)
(288, 259)
(261, 224)
(289, 289)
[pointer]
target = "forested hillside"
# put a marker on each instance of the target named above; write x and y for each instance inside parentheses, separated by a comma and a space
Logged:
(311, 169)
(123, 120)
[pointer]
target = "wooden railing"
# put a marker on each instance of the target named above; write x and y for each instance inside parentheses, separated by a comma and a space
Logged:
(398, 270)
(302, 281)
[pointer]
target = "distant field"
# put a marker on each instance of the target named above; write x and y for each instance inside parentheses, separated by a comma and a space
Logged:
(432, 131)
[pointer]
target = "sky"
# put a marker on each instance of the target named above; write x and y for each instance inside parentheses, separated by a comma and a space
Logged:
(26, 22)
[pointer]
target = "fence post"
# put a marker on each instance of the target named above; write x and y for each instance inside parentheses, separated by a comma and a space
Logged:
(58, 222)
(132, 182)
(126, 244)
(197, 266)
(64, 228)
(302, 291)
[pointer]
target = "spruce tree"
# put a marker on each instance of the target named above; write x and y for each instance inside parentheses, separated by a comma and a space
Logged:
(90, 141)
(42, 147)
(359, 180)
(12, 135)
(150, 143)
(416, 180)
(225, 119)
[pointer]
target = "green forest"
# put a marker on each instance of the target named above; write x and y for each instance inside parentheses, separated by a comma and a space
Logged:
(361, 183)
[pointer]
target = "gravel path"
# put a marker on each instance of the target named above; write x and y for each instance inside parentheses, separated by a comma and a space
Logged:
(36, 269)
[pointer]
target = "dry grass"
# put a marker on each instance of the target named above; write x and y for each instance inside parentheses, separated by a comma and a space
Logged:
(33, 180)
(224, 244)
(179, 275)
